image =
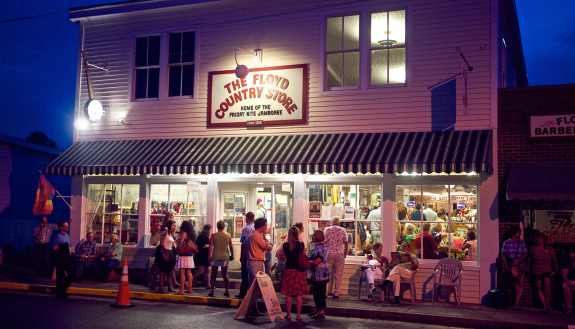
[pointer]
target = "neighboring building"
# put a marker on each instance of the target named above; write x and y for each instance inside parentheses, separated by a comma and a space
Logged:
(19, 178)
(350, 104)
(536, 154)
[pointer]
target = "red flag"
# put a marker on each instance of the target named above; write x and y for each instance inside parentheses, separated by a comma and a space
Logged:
(44, 195)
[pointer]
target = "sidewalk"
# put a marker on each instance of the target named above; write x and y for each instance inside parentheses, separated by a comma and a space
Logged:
(442, 313)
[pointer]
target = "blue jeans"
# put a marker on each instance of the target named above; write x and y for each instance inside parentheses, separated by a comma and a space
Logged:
(107, 266)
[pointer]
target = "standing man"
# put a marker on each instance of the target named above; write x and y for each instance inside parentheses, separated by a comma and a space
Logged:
(254, 249)
(429, 214)
(417, 215)
(111, 258)
(86, 255)
(335, 239)
(261, 213)
(64, 263)
(402, 268)
(243, 258)
(41, 249)
(374, 216)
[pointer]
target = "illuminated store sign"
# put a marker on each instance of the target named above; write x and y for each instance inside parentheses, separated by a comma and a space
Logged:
(267, 96)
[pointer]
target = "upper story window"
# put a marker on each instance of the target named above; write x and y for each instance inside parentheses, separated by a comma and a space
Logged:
(364, 50)
(164, 66)
(147, 65)
(181, 64)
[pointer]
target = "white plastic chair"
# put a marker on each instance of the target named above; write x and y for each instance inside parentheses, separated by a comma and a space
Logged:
(450, 271)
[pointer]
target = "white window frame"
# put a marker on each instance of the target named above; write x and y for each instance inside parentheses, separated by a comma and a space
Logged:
(364, 50)
(164, 68)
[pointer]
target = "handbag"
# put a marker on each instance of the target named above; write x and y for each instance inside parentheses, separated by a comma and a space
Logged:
(167, 254)
(186, 248)
(522, 266)
(304, 263)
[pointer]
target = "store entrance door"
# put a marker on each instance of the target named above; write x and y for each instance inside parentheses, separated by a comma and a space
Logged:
(234, 212)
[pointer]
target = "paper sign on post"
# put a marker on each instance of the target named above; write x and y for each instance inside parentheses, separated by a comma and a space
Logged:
(262, 284)
(193, 187)
(286, 187)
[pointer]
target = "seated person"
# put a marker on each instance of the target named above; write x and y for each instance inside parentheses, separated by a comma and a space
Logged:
(429, 245)
(373, 269)
(409, 232)
(111, 258)
(86, 255)
(402, 266)
(436, 233)
(471, 245)
(568, 272)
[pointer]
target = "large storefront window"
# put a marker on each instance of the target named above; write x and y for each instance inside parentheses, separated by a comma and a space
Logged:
(442, 215)
(185, 205)
(113, 209)
(358, 208)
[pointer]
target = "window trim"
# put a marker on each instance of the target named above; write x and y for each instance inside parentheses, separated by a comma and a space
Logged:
(164, 68)
(365, 50)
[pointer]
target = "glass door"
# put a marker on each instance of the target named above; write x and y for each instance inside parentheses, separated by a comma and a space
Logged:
(234, 213)
(282, 214)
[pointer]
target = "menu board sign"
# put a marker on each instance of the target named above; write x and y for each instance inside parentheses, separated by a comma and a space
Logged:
(551, 127)
(454, 198)
(267, 96)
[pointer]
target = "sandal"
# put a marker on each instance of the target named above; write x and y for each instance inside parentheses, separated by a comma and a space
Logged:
(369, 299)
(568, 312)
(299, 319)
(319, 316)
(312, 314)
(179, 293)
(189, 292)
(549, 308)
(287, 318)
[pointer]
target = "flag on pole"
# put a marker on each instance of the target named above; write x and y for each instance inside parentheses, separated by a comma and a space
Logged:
(464, 81)
(44, 195)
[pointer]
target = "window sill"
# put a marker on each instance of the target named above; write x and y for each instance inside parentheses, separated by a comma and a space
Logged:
(158, 102)
(366, 90)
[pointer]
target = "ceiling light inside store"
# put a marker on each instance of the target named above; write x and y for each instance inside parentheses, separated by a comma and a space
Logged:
(260, 183)
(259, 189)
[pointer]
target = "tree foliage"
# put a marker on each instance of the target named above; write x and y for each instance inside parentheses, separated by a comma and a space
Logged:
(39, 137)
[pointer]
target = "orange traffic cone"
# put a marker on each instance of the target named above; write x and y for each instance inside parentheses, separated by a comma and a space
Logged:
(123, 299)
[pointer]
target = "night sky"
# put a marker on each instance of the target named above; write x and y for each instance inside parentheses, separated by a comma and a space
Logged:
(38, 60)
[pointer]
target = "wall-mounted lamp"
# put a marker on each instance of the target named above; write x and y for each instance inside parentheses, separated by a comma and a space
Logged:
(121, 121)
(241, 70)
(81, 124)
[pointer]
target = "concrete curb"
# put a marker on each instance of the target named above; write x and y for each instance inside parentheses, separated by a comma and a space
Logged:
(457, 321)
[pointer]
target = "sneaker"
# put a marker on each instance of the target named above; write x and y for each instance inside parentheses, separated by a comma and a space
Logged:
(395, 301)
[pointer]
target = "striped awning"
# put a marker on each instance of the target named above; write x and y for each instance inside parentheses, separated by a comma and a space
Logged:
(450, 151)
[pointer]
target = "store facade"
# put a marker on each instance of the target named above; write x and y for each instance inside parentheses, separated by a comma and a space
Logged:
(350, 119)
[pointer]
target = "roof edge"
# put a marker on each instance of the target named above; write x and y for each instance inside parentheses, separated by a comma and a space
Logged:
(28, 145)
(533, 88)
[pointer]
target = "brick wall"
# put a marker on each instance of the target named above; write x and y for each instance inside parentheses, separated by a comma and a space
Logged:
(513, 147)
(513, 103)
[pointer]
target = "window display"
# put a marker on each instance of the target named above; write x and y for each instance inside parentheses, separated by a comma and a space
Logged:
(113, 209)
(175, 198)
(358, 208)
(439, 221)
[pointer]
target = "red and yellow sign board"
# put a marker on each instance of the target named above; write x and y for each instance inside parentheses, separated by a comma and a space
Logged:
(267, 96)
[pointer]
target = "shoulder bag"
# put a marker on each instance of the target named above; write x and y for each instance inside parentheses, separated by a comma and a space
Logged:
(186, 248)
(522, 266)
(304, 262)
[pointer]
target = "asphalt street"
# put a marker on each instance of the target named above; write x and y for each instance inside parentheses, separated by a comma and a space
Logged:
(28, 310)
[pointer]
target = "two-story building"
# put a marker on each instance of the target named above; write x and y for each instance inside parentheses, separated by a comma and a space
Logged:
(348, 106)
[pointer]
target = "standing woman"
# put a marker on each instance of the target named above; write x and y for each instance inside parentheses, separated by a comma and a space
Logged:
(168, 259)
(294, 283)
(186, 263)
(543, 261)
(320, 274)
(514, 252)
(201, 258)
(219, 256)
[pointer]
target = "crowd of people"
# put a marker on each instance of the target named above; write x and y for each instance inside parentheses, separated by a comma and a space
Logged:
(325, 263)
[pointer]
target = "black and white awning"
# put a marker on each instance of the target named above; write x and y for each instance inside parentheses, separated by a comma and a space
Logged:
(450, 151)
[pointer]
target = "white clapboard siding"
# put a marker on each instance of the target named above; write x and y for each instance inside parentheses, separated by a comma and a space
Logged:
(289, 32)
(423, 285)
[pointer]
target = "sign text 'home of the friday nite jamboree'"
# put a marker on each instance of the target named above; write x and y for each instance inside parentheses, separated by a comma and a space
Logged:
(267, 96)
